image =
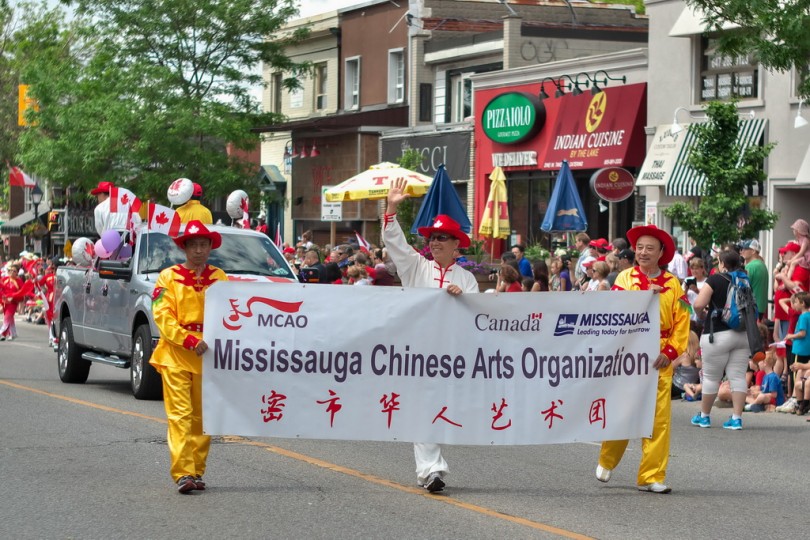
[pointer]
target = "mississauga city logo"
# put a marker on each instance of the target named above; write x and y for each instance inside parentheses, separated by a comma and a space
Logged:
(600, 323)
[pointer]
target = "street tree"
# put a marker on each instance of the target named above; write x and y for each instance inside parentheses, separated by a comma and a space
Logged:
(775, 30)
(141, 92)
(724, 212)
(9, 131)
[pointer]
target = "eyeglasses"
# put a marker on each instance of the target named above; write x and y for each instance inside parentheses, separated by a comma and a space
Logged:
(440, 237)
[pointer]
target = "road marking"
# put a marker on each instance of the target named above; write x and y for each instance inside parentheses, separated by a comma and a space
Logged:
(330, 466)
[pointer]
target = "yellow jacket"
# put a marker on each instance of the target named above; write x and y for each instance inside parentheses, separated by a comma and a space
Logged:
(178, 306)
(675, 311)
(194, 210)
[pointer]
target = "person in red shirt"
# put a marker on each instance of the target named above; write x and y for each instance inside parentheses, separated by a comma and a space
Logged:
(12, 292)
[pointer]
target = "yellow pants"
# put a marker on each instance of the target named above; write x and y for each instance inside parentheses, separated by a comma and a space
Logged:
(655, 450)
(182, 398)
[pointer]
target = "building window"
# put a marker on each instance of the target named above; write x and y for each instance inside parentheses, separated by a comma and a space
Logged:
(352, 93)
(320, 86)
(460, 97)
(396, 76)
(723, 77)
(277, 89)
(425, 102)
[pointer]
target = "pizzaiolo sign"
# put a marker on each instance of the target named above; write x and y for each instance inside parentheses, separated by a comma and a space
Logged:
(513, 117)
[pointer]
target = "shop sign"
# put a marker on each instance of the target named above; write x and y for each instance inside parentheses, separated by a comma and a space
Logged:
(598, 131)
(514, 159)
(513, 117)
(613, 184)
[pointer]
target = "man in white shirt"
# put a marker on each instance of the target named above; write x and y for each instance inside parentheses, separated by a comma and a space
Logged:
(106, 220)
(677, 266)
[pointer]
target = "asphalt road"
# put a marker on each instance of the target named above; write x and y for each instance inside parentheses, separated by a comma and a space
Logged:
(90, 461)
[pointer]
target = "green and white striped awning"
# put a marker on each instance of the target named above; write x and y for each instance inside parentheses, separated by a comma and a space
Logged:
(685, 182)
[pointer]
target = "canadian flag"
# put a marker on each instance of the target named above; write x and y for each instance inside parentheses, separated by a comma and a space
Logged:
(362, 243)
(278, 235)
(123, 200)
(163, 219)
(16, 177)
(245, 214)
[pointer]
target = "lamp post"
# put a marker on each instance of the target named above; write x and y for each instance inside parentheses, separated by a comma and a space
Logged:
(36, 198)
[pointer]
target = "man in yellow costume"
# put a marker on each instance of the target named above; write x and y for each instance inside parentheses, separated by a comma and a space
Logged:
(654, 249)
(178, 306)
(194, 209)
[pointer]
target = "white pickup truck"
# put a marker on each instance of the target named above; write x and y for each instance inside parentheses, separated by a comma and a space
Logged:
(104, 312)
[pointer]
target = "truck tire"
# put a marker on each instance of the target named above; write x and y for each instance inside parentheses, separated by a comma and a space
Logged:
(145, 380)
(72, 367)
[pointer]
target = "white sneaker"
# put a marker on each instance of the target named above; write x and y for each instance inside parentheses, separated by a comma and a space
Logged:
(788, 407)
(655, 487)
(602, 474)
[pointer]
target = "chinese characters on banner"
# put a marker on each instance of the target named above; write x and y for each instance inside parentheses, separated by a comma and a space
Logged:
(420, 365)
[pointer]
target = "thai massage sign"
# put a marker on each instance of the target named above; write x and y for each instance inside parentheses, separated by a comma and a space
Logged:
(601, 130)
(513, 117)
(425, 366)
(613, 184)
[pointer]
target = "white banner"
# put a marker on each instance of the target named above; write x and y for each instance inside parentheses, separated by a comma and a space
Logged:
(393, 364)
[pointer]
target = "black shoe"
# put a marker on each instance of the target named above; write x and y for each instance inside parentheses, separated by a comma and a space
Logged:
(186, 484)
(434, 483)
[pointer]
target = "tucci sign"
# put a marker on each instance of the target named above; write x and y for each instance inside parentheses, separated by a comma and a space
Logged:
(513, 117)
(613, 184)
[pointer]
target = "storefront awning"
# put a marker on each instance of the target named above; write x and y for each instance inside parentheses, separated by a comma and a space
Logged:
(596, 131)
(686, 182)
(13, 227)
(690, 22)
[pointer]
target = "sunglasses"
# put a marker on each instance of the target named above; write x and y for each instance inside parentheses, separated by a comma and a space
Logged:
(441, 237)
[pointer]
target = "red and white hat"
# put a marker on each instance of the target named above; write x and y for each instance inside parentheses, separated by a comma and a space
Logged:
(445, 224)
(197, 229)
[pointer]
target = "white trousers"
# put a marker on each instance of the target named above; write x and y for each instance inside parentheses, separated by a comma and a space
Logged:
(428, 460)
(729, 353)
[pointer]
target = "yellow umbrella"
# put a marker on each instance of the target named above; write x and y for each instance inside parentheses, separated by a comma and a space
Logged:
(495, 221)
(374, 184)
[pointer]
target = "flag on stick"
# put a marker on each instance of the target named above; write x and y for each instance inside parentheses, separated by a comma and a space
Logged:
(163, 219)
(278, 235)
(362, 243)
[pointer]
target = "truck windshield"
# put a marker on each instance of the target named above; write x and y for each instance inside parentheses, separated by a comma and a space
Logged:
(238, 254)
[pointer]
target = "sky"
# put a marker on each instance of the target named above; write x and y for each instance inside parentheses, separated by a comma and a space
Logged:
(313, 7)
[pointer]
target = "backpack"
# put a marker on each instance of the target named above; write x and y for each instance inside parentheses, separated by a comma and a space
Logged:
(740, 304)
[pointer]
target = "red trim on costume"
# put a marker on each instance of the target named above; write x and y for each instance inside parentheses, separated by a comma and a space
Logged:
(189, 279)
(645, 282)
(443, 274)
(670, 352)
(389, 218)
(190, 342)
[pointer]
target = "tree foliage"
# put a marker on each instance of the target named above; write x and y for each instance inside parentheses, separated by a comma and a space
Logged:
(724, 213)
(776, 30)
(144, 91)
(411, 159)
(9, 132)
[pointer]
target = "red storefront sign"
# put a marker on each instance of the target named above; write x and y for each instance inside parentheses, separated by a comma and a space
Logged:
(613, 184)
(596, 131)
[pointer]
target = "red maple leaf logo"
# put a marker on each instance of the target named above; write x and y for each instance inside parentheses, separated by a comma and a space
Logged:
(125, 199)
(90, 249)
(176, 184)
(161, 219)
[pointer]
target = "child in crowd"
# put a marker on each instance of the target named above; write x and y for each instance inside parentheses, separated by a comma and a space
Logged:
(801, 232)
(767, 394)
(801, 350)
